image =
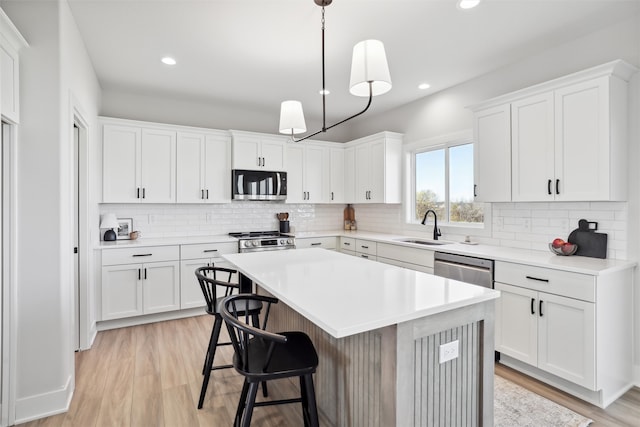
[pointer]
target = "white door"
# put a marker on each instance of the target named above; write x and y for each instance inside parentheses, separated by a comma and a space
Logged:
(272, 155)
(190, 292)
(532, 144)
(189, 168)
(582, 147)
(158, 166)
(313, 173)
(363, 166)
(566, 339)
(492, 154)
(517, 323)
(161, 287)
(121, 291)
(337, 175)
(246, 153)
(217, 170)
(377, 172)
(121, 164)
(296, 192)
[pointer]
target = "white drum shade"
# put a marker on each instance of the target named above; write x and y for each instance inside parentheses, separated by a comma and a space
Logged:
(292, 118)
(369, 64)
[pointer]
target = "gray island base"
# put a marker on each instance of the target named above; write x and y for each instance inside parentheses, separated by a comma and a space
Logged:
(389, 375)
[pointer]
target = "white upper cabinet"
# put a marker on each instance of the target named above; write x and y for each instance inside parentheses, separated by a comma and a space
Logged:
(567, 139)
(254, 151)
(203, 167)
(139, 165)
(378, 168)
(307, 173)
(492, 154)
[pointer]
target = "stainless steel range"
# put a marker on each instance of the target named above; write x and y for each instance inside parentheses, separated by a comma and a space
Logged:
(256, 241)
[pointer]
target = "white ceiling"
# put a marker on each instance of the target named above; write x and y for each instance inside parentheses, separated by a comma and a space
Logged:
(257, 53)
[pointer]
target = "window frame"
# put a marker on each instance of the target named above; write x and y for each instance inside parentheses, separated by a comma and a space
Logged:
(431, 144)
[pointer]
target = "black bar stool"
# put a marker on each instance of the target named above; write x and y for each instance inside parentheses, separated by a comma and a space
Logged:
(262, 356)
(209, 278)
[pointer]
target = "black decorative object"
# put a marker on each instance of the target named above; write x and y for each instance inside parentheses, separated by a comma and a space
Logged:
(590, 243)
(109, 235)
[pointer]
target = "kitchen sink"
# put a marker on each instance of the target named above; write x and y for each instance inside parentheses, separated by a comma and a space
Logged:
(423, 242)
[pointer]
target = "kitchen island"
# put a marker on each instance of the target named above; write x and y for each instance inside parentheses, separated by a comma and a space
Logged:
(379, 330)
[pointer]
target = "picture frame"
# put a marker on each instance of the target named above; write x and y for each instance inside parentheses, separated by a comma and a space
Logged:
(125, 226)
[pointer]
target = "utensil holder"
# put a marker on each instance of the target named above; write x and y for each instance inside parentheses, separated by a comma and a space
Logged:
(284, 226)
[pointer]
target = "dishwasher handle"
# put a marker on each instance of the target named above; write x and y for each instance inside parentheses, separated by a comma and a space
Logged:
(463, 266)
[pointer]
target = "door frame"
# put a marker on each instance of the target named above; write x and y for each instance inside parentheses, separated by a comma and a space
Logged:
(78, 118)
(9, 271)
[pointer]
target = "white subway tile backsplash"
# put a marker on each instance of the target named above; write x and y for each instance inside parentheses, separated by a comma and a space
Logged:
(516, 225)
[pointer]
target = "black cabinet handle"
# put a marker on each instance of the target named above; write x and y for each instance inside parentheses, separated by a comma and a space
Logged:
(137, 255)
(138, 193)
(475, 188)
(145, 274)
(316, 244)
(346, 243)
(537, 279)
(143, 192)
(332, 195)
(207, 194)
(540, 308)
(549, 187)
(139, 274)
(532, 304)
(365, 256)
(364, 247)
(210, 250)
(557, 186)
(202, 194)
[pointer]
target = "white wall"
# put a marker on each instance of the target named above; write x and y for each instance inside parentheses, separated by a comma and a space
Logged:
(55, 66)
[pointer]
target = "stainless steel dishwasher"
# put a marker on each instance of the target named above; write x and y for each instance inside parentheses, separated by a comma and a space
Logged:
(477, 271)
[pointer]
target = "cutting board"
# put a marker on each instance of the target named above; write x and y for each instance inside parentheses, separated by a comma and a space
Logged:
(590, 243)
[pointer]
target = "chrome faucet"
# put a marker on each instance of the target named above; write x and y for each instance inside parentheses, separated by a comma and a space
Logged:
(436, 230)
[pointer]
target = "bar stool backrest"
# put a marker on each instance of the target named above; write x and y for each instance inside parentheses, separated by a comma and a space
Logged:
(211, 277)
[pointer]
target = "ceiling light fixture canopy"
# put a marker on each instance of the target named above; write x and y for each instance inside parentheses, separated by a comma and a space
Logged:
(369, 77)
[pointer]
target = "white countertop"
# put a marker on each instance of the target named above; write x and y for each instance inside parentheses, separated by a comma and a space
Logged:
(346, 295)
(576, 264)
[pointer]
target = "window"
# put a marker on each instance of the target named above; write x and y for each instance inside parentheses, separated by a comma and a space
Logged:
(443, 182)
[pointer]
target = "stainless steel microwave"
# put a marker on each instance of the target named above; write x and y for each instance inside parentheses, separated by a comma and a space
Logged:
(258, 185)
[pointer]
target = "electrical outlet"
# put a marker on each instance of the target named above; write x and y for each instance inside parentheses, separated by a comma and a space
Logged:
(448, 351)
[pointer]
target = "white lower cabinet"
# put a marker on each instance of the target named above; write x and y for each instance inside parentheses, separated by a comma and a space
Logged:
(316, 242)
(552, 332)
(201, 255)
(138, 281)
(403, 256)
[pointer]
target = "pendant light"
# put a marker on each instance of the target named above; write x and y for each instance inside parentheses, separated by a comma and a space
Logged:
(369, 77)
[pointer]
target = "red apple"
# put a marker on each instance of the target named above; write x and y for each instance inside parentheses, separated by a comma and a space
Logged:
(567, 248)
(557, 243)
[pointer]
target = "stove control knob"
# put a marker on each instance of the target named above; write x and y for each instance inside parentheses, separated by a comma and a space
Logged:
(290, 241)
(254, 242)
(282, 241)
(247, 243)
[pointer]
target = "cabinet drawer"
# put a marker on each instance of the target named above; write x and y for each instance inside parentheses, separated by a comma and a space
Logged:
(140, 255)
(569, 284)
(347, 244)
(366, 247)
(421, 257)
(316, 242)
(208, 250)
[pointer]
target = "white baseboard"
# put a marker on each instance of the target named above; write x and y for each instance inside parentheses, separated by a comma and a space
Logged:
(149, 318)
(44, 405)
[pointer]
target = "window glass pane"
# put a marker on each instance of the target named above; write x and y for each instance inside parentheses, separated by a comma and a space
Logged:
(462, 206)
(430, 185)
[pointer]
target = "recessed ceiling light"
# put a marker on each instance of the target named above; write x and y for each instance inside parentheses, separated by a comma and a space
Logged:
(324, 92)
(168, 60)
(468, 4)
(423, 86)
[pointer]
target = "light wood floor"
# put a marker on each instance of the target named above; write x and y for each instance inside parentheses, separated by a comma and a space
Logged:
(150, 375)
